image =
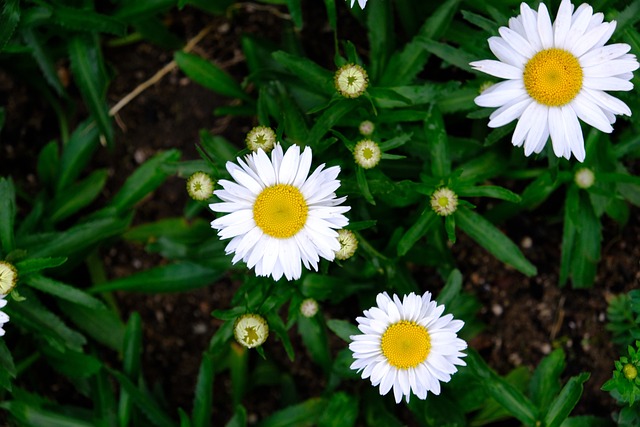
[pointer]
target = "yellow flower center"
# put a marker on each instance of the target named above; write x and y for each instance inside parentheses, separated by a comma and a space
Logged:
(630, 371)
(553, 77)
(406, 344)
(280, 211)
(367, 153)
(443, 201)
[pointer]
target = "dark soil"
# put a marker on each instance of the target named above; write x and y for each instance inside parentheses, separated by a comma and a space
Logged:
(526, 318)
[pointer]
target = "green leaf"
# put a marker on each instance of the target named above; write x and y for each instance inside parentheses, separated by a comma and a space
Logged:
(9, 18)
(587, 421)
(28, 415)
(35, 265)
(86, 20)
(239, 418)
(42, 55)
(343, 329)
(131, 354)
(503, 392)
(203, 395)
(314, 336)
(295, 9)
(167, 278)
(419, 228)
(305, 414)
(209, 75)
(562, 406)
(361, 179)
(278, 327)
(327, 120)
(48, 163)
(7, 214)
(72, 364)
(545, 382)
(586, 250)
(63, 291)
(436, 136)
(136, 10)
(450, 54)
(451, 288)
(8, 368)
(80, 238)
(103, 325)
(146, 404)
(316, 78)
(78, 196)
(488, 191)
(405, 65)
(493, 240)
(144, 180)
(35, 317)
(76, 154)
(341, 411)
(87, 68)
(381, 37)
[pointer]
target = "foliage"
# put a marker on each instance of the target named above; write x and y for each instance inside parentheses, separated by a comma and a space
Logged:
(625, 386)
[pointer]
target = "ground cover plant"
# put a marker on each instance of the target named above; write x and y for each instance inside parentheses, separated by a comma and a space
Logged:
(295, 213)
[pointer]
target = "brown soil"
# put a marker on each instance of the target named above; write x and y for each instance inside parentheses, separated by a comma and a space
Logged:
(526, 318)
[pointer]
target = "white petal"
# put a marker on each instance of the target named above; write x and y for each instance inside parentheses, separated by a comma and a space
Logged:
(509, 112)
(562, 24)
(590, 113)
(505, 53)
(497, 69)
(517, 42)
(545, 30)
(530, 25)
(603, 54)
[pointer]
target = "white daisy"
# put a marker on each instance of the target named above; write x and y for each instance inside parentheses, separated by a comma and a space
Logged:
(280, 215)
(4, 318)
(362, 3)
(556, 73)
(407, 345)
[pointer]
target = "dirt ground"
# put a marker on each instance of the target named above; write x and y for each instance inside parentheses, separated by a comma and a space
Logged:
(525, 318)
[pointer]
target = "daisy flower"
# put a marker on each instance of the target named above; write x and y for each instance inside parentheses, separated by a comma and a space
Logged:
(4, 318)
(407, 345)
(556, 74)
(362, 3)
(278, 214)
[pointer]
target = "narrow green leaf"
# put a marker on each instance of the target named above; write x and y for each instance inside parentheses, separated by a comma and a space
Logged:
(300, 415)
(34, 316)
(569, 396)
(343, 329)
(450, 54)
(7, 214)
(314, 337)
(295, 9)
(48, 164)
(341, 411)
(587, 421)
(332, 14)
(586, 250)
(405, 65)
(136, 10)
(86, 20)
(76, 154)
(209, 75)
(203, 394)
(568, 234)
(103, 325)
(239, 418)
(155, 30)
(295, 122)
(80, 238)
(503, 392)
(131, 354)
(381, 37)
(493, 240)
(9, 18)
(144, 180)
(7, 367)
(488, 191)
(419, 228)
(30, 415)
(278, 327)
(146, 404)
(451, 288)
(436, 136)
(361, 179)
(167, 278)
(86, 64)
(72, 364)
(545, 382)
(63, 291)
(42, 55)
(78, 196)
(316, 77)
